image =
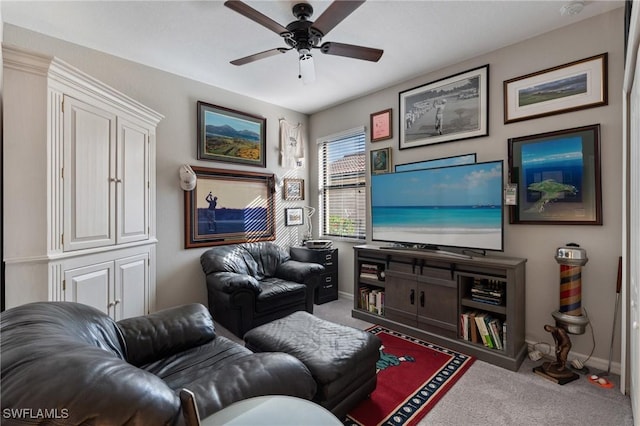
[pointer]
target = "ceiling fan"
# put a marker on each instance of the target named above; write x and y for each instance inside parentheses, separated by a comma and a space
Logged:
(304, 35)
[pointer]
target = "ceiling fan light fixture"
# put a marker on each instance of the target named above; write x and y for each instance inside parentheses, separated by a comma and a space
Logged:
(307, 67)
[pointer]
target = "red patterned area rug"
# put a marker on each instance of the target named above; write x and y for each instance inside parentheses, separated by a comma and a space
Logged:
(412, 377)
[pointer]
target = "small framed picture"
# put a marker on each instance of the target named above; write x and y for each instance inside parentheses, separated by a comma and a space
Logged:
(293, 189)
(293, 216)
(381, 128)
(381, 161)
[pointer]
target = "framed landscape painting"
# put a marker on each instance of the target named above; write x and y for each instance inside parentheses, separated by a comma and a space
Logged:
(229, 207)
(446, 110)
(231, 136)
(565, 88)
(558, 177)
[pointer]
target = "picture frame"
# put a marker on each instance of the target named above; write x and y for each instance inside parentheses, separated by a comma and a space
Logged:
(293, 189)
(293, 216)
(565, 88)
(557, 176)
(231, 136)
(381, 125)
(229, 207)
(381, 161)
(437, 162)
(450, 109)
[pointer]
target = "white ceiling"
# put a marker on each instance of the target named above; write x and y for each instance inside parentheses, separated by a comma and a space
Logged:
(197, 39)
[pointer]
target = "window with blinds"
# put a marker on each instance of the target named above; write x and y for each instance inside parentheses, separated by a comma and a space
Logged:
(342, 180)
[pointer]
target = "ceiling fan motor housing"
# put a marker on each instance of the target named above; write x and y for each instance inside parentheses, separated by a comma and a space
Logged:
(302, 36)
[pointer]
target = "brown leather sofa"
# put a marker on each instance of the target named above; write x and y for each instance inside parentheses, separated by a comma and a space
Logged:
(252, 284)
(68, 363)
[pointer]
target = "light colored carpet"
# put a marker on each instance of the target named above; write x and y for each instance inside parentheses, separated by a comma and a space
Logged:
(493, 396)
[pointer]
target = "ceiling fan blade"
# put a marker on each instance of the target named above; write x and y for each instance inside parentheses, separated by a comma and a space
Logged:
(351, 51)
(249, 12)
(334, 14)
(258, 56)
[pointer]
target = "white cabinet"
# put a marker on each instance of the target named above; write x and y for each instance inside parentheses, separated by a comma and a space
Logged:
(119, 288)
(79, 188)
(105, 177)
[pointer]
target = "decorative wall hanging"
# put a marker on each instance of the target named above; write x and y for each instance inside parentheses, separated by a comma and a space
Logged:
(293, 189)
(293, 216)
(291, 144)
(558, 177)
(570, 87)
(381, 161)
(231, 136)
(381, 127)
(229, 207)
(446, 110)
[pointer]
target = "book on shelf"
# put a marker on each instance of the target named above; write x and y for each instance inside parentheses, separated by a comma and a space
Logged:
(372, 271)
(481, 327)
(371, 300)
(484, 331)
(495, 330)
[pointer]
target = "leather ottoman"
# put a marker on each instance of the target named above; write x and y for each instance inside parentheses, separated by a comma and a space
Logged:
(342, 359)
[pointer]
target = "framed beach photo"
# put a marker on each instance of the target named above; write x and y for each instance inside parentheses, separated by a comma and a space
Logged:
(570, 87)
(231, 136)
(558, 177)
(293, 189)
(293, 216)
(381, 127)
(229, 207)
(381, 161)
(446, 110)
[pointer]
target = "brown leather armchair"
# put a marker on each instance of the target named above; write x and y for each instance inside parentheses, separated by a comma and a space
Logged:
(252, 284)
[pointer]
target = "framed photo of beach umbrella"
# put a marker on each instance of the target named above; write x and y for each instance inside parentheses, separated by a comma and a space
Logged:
(558, 177)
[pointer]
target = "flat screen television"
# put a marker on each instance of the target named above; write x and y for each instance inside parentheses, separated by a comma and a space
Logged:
(458, 206)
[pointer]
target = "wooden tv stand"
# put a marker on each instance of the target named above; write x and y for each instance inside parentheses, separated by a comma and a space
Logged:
(430, 295)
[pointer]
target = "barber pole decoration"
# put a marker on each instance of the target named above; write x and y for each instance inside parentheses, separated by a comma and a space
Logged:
(570, 290)
(571, 259)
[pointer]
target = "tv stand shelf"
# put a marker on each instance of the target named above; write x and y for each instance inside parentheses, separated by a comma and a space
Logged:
(447, 300)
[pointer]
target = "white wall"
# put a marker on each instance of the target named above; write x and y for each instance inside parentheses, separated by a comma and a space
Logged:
(537, 243)
(179, 276)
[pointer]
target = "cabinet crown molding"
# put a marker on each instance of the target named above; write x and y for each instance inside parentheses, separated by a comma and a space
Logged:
(64, 76)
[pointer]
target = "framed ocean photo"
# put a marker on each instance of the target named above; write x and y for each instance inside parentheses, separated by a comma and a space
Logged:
(229, 207)
(558, 177)
(231, 136)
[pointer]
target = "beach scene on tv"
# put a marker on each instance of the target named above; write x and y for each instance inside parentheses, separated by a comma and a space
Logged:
(459, 206)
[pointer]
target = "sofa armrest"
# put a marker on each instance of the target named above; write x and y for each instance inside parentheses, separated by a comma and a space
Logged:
(161, 334)
(293, 270)
(230, 282)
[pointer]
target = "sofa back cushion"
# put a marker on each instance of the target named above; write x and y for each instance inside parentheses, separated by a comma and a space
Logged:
(68, 358)
(259, 260)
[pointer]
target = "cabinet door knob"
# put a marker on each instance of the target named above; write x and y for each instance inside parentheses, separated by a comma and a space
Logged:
(412, 296)
(111, 304)
(117, 301)
(422, 299)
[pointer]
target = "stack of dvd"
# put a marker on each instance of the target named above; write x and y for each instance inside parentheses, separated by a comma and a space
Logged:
(488, 291)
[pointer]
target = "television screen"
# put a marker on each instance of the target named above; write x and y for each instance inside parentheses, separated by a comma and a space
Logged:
(457, 206)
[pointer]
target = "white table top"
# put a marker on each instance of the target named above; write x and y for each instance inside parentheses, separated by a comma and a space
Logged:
(276, 410)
